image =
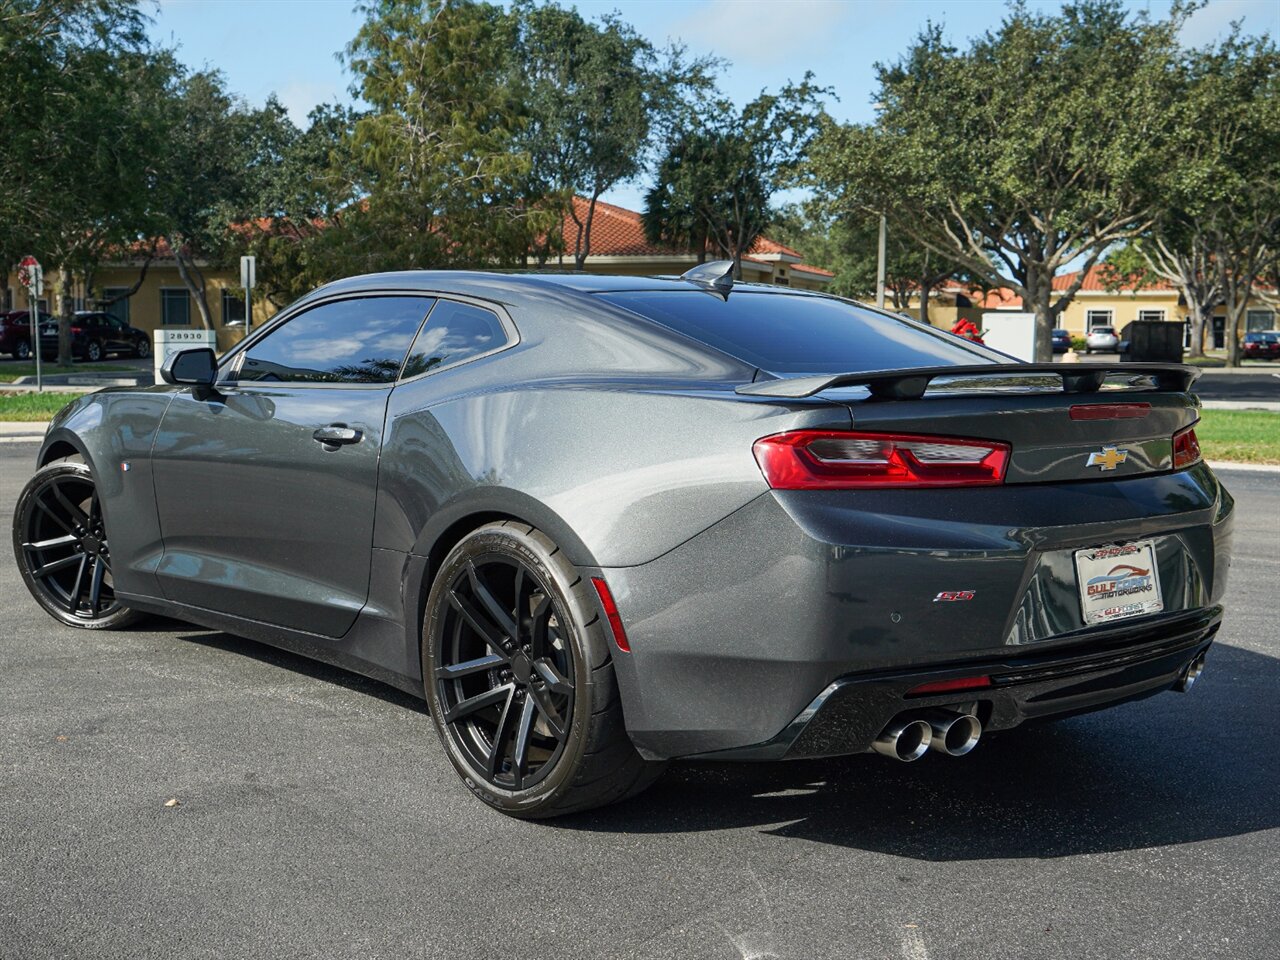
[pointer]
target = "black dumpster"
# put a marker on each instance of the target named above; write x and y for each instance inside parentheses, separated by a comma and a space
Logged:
(1151, 341)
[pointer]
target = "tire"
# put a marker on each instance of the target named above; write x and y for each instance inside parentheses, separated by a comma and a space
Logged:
(93, 351)
(490, 693)
(23, 352)
(58, 519)
(142, 349)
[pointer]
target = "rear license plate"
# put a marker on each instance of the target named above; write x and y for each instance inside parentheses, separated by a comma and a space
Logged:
(1118, 581)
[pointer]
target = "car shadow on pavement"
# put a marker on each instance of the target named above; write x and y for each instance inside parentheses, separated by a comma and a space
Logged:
(296, 663)
(1168, 770)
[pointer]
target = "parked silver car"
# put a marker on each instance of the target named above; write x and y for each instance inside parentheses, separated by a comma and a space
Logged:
(1102, 339)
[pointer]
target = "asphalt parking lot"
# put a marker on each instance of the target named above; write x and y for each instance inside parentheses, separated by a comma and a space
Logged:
(317, 817)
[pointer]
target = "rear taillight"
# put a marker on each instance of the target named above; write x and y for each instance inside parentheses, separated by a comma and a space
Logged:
(76, 331)
(1186, 448)
(1110, 411)
(827, 460)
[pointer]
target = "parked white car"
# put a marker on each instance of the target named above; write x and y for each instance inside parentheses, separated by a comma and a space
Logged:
(1103, 339)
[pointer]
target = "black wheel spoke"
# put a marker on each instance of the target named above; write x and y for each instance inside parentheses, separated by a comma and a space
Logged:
(490, 603)
(73, 598)
(501, 733)
(466, 708)
(49, 512)
(550, 714)
(70, 538)
(55, 565)
(459, 670)
(491, 634)
(95, 586)
(520, 750)
(73, 509)
(553, 678)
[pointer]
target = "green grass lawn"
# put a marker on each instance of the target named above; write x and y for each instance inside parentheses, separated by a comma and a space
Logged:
(10, 372)
(31, 407)
(1245, 436)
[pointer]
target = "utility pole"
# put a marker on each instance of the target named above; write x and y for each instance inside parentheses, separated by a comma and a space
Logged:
(880, 266)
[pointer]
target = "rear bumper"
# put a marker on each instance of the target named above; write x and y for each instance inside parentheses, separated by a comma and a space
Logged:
(737, 631)
(849, 714)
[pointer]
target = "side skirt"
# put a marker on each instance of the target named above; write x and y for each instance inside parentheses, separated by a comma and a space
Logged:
(308, 645)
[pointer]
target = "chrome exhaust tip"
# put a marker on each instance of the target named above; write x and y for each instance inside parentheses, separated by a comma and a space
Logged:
(1190, 675)
(954, 734)
(904, 740)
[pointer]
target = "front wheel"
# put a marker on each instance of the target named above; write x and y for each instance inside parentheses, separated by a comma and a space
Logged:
(60, 543)
(519, 678)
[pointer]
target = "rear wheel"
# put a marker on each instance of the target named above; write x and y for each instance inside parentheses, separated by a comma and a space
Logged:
(520, 681)
(93, 352)
(24, 351)
(142, 349)
(60, 543)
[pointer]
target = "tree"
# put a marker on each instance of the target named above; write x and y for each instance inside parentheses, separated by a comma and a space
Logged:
(848, 245)
(76, 84)
(595, 94)
(1046, 142)
(715, 181)
(442, 178)
(1175, 251)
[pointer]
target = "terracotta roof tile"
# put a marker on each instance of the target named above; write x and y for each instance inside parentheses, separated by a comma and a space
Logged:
(1098, 278)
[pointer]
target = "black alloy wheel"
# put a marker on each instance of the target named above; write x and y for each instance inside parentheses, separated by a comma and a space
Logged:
(60, 543)
(505, 672)
(519, 677)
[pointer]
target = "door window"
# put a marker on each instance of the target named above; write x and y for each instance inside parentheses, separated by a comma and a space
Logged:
(348, 341)
(454, 332)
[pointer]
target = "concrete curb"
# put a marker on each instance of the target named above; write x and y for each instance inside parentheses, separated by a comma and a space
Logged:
(1272, 406)
(1246, 467)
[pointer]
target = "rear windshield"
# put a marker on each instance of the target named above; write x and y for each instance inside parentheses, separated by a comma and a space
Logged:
(797, 334)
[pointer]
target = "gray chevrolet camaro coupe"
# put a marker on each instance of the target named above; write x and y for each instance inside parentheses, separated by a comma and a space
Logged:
(603, 522)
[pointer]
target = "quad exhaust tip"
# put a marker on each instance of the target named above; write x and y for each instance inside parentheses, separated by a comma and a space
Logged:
(1190, 675)
(954, 734)
(904, 740)
(946, 731)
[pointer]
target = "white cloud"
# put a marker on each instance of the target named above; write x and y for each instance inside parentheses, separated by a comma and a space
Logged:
(764, 33)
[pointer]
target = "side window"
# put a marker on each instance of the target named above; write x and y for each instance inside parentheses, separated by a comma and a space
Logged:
(454, 332)
(348, 341)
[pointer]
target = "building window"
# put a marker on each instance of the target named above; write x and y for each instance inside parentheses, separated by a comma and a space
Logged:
(1155, 316)
(1097, 318)
(232, 308)
(119, 309)
(8, 298)
(1259, 320)
(175, 307)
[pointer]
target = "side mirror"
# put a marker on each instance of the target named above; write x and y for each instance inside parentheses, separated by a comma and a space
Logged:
(197, 368)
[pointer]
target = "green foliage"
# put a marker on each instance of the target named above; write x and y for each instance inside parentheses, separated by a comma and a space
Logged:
(438, 165)
(721, 168)
(1046, 141)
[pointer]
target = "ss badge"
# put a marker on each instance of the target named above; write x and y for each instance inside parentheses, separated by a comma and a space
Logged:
(953, 595)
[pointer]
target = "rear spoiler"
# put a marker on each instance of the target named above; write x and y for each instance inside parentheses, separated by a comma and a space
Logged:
(910, 384)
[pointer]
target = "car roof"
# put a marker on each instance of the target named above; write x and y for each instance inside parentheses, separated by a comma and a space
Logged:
(508, 286)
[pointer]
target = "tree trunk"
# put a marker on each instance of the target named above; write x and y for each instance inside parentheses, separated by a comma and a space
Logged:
(1041, 290)
(1235, 312)
(583, 248)
(193, 280)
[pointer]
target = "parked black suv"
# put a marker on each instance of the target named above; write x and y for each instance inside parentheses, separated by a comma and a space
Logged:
(95, 335)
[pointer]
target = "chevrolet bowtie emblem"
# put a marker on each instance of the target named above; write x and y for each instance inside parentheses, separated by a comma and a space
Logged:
(1108, 458)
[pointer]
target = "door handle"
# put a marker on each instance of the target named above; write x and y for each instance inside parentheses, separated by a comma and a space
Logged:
(336, 435)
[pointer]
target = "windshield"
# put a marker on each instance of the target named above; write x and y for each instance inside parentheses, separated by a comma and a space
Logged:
(784, 333)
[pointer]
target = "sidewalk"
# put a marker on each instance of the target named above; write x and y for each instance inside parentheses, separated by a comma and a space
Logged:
(18, 432)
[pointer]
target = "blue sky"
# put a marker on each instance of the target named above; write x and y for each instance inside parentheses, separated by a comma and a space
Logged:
(289, 46)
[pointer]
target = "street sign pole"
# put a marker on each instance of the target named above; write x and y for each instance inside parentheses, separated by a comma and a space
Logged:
(31, 274)
(248, 276)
